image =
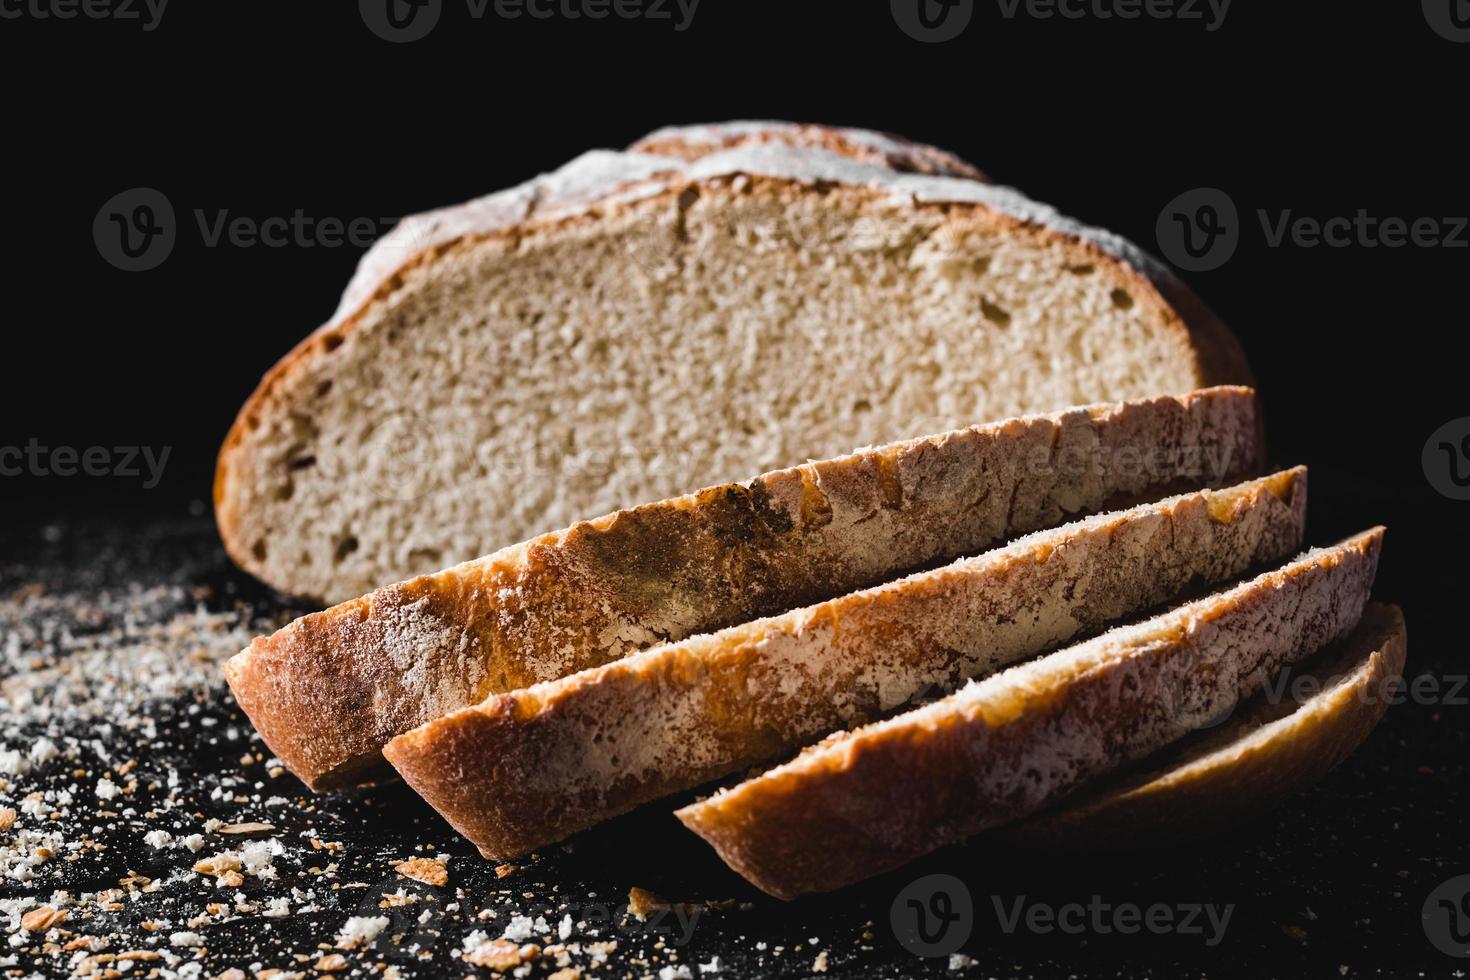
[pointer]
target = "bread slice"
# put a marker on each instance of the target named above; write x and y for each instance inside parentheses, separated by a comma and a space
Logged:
(873, 799)
(634, 325)
(328, 690)
(1281, 741)
(532, 766)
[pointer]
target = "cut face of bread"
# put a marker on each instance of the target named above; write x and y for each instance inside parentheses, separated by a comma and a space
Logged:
(329, 690)
(635, 325)
(1293, 732)
(532, 766)
(1002, 748)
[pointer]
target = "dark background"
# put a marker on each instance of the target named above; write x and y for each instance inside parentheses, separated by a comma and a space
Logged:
(1323, 109)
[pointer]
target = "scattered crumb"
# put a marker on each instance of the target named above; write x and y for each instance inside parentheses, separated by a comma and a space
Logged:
(502, 954)
(426, 870)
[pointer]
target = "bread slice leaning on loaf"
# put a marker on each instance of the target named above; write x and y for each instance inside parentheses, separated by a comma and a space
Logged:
(327, 691)
(1289, 735)
(1002, 748)
(533, 766)
(635, 324)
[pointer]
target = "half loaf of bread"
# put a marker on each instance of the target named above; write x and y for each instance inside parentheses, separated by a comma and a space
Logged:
(716, 302)
(532, 766)
(327, 691)
(873, 799)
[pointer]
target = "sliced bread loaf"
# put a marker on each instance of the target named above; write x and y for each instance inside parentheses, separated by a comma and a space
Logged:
(328, 690)
(532, 766)
(636, 324)
(870, 800)
(1293, 732)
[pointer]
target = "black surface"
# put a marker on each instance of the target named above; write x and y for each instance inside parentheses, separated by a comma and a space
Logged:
(1331, 884)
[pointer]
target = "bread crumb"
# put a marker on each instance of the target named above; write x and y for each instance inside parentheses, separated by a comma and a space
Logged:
(41, 919)
(393, 900)
(426, 870)
(7, 820)
(360, 930)
(505, 870)
(331, 963)
(217, 865)
(502, 954)
(641, 902)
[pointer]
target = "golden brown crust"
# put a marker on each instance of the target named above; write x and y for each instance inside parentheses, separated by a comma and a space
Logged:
(873, 799)
(1271, 747)
(1197, 335)
(532, 766)
(327, 691)
(887, 150)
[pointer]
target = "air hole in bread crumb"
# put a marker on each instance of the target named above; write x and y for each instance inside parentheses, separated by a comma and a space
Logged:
(286, 490)
(302, 462)
(1122, 300)
(257, 551)
(1085, 269)
(323, 388)
(331, 342)
(994, 313)
(252, 422)
(345, 547)
(862, 405)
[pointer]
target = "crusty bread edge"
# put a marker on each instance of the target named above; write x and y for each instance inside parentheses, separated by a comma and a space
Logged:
(469, 764)
(342, 637)
(1225, 785)
(885, 751)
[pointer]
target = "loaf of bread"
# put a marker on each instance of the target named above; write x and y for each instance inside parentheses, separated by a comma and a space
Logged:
(532, 766)
(716, 302)
(329, 690)
(1279, 742)
(873, 799)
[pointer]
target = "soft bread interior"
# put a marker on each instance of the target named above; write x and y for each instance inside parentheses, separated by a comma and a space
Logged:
(520, 383)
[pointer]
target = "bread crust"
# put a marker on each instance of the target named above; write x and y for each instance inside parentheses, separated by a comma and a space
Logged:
(871, 800)
(1197, 336)
(1269, 749)
(328, 690)
(530, 767)
(881, 149)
